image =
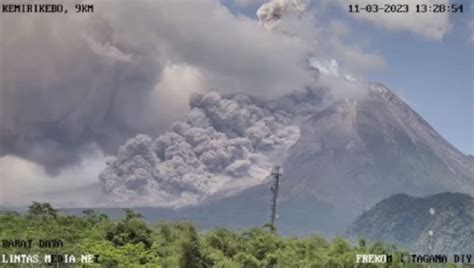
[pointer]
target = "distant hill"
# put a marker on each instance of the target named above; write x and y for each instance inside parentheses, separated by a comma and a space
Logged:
(406, 221)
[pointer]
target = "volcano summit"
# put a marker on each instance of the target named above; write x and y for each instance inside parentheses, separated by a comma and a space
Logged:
(339, 157)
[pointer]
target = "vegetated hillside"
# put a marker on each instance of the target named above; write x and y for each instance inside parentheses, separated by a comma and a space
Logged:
(406, 221)
(130, 242)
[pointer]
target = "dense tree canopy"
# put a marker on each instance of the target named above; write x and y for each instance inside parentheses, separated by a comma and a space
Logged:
(131, 242)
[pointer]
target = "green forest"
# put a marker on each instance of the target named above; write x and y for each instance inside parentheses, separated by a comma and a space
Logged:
(132, 242)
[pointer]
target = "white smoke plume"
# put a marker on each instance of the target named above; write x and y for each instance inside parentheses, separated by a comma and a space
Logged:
(271, 14)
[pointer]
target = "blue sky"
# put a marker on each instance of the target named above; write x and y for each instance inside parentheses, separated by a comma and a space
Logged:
(436, 78)
(434, 75)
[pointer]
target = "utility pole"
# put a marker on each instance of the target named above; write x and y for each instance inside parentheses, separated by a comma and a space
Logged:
(276, 183)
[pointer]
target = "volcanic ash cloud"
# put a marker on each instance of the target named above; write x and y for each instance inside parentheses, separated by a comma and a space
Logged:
(225, 141)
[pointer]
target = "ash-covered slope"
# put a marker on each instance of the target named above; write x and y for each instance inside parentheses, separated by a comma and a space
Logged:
(357, 152)
(339, 157)
(406, 221)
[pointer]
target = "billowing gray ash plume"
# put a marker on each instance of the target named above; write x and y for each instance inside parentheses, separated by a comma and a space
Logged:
(339, 157)
(227, 144)
(75, 88)
(128, 68)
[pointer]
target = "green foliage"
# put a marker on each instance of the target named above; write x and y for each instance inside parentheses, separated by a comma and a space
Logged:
(131, 242)
(131, 230)
(42, 210)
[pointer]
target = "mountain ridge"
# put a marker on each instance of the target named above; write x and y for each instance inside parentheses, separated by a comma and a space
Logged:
(407, 221)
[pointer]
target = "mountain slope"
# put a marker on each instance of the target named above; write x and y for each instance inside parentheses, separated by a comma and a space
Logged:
(406, 221)
(339, 157)
(358, 152)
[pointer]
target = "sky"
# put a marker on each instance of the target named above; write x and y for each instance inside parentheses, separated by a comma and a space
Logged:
(433, 74)
(75, 87)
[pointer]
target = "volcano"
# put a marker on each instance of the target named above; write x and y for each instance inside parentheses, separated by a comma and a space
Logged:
(358, 152)
(339, 157)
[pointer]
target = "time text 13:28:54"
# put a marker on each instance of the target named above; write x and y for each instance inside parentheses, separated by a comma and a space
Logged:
(405, 8)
